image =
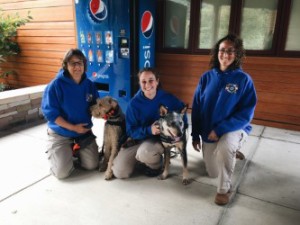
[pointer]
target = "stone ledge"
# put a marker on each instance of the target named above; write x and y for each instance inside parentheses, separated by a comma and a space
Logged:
(21, 94)
(20, 106)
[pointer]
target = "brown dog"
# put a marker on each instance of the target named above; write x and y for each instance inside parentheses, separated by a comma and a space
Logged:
(108, 109)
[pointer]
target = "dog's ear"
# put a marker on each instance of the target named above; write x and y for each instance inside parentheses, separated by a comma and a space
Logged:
(163, 110)
(92, 108)
(94, 111)
(114, 103)
(183, 111)
(99, 102)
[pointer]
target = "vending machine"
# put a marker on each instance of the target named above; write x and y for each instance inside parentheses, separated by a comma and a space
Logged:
(118, 39)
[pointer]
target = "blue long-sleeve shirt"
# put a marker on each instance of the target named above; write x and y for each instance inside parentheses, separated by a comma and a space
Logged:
(142, 112)
(64, 97)
(223, 102)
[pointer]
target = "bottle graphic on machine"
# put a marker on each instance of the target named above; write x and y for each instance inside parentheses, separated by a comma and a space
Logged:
(91, 57)
(82, 38)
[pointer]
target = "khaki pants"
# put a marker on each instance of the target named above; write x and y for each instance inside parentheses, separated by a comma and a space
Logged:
(148, 152)
(219, 158)
(60, 155)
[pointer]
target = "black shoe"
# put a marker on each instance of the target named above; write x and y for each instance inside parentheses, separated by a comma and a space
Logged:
(77, 163)
(152, 172)
(147, 170)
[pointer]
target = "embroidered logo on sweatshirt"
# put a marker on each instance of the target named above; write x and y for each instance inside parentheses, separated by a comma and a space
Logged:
(89, 97)
(231, 88)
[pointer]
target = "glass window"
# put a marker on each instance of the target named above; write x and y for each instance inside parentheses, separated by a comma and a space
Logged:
(177, 23)
(214, 22)
(258, 24)
(293, 42)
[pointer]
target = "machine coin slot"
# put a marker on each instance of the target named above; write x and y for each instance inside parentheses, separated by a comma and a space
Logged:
(123, 47)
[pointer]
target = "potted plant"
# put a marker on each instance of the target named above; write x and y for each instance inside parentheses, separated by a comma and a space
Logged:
(8, 44)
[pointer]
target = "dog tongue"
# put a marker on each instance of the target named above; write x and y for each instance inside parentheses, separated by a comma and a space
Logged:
(177, 139)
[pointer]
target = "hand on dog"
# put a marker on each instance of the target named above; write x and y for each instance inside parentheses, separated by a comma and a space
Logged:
(81, 128)
(155, 128)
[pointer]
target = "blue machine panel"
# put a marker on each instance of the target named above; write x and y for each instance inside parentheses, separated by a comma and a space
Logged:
(146, 33)
(114, 49)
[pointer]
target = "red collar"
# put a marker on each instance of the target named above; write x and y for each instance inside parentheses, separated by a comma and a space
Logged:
(109, 114)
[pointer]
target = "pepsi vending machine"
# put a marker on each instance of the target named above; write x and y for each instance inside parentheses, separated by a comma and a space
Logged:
(118, 39)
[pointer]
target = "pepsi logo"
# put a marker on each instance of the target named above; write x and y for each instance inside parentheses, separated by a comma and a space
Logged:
(97, 10)
(147, 24)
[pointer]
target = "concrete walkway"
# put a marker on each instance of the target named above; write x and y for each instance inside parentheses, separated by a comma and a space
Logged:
(266, 187)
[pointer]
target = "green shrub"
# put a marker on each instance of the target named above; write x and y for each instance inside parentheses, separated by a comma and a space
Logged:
(8, 44)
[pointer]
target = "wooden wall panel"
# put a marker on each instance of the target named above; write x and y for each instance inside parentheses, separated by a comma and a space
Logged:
(43, 41)
(180, 74)
(277, 82)
(21, 4)
(46, 47)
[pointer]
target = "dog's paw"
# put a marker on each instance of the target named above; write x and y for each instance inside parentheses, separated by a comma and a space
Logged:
(162, 177)
(186, 181)
(109, 175)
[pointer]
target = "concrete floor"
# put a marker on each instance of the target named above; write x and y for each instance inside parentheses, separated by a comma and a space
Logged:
(266, 187)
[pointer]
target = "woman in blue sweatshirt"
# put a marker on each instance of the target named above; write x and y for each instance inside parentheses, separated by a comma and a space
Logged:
(223, 107)
(141, 116)
(65, 104)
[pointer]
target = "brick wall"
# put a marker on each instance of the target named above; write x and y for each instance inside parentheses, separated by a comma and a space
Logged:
(20, 106)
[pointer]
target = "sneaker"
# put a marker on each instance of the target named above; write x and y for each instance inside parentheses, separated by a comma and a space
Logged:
(147, 170)
(142, 167)
(152, 172)
(77, 163)
(222, 199)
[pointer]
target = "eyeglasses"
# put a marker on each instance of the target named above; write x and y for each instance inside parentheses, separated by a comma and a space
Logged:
(144, 82)
(74, 64)
(227, 51)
